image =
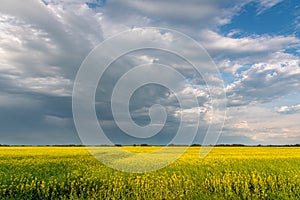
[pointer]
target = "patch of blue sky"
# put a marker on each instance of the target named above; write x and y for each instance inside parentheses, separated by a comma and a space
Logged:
(96, 4)
(294, 51)
(243, 68)
(228, 78)
(45, 2)
(277, 20)
(291, 99)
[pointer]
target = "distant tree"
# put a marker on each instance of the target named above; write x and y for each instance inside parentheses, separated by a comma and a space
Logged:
(238, 145)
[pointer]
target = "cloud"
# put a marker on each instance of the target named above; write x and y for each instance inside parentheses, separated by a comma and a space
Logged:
(15, 101)
(41, 48)
(261, 125)
(252, 47)
(57, 86)
(57, 121)
(264, 82)
(289, 109)
(241, 125)
(266, 4)
(276, 138)
(189, 17)
(47, 40)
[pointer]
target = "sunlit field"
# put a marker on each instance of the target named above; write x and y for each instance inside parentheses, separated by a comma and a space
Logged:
(226, 173)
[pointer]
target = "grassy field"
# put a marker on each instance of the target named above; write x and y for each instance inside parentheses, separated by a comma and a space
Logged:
(226, 173)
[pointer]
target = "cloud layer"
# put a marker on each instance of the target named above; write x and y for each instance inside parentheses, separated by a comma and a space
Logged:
(43, 43)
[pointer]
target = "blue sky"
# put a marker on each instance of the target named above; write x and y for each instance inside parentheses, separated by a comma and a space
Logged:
(254, 43)
(277, 20)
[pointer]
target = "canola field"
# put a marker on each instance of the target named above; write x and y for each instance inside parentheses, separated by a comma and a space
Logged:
(226, 173)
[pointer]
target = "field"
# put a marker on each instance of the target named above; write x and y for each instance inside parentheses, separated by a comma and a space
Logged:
(226, 173)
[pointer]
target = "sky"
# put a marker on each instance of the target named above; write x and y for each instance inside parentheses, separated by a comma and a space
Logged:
(254, 44)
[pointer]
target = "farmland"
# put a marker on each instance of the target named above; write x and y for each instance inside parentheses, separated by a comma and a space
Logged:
(226, 173)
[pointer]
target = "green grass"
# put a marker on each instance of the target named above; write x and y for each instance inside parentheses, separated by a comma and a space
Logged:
(226, 173)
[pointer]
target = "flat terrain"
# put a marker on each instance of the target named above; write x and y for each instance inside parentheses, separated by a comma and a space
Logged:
(226, 173)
